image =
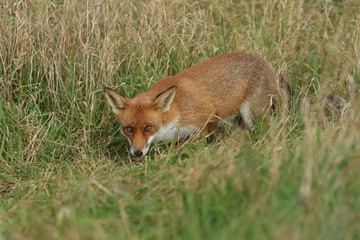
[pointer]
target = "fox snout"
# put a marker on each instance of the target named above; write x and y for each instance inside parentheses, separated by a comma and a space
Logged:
(136, 152)
(139, 151)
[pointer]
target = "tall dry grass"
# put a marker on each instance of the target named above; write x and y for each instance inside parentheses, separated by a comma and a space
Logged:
(65, 170)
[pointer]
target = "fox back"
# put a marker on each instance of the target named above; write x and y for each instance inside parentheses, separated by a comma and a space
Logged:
(196, 99)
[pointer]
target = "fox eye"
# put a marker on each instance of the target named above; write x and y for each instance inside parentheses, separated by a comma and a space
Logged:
(148, 128)
(129, 129)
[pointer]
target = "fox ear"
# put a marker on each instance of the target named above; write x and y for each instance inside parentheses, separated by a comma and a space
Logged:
(164, 99)
(115, 100)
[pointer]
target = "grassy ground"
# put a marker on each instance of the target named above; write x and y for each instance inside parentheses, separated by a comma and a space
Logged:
(65, 171)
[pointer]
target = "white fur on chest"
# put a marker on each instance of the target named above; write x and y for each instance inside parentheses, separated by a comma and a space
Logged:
(172, 130)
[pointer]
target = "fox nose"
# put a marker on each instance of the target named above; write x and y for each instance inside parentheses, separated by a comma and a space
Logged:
(138, 153)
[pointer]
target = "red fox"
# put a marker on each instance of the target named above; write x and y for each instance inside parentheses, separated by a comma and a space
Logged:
(197, 98)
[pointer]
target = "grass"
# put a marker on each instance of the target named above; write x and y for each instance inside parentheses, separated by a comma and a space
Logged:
(65, 171)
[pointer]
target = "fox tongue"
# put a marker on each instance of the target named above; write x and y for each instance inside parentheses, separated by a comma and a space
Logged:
(138, 159)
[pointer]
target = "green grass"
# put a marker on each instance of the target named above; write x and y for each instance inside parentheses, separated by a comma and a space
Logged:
(65, 171)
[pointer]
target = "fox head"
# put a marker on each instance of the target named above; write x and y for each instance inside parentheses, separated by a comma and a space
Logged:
(142, 117)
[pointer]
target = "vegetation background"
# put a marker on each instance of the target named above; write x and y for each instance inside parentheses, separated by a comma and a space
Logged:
(65, 171)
